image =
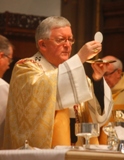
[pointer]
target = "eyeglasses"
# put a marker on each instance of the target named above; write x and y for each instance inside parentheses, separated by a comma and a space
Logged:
(62, 40)
(10, 59)
(108, 74)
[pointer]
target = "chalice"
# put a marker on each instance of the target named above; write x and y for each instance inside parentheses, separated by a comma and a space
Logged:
(87, 130)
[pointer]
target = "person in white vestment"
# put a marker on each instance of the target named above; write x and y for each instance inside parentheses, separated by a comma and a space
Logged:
(6, 53)
(45, 86)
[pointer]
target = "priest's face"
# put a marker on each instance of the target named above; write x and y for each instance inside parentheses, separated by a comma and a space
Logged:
(57, 48)
(5, 60)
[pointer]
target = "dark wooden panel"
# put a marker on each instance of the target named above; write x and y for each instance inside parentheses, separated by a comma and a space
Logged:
(113, 28)
(20, 30)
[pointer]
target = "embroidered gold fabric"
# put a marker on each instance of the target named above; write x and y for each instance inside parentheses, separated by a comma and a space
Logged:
(31, 106)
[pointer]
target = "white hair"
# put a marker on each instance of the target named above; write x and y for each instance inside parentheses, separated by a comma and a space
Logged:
(44, 28)
(117, 65)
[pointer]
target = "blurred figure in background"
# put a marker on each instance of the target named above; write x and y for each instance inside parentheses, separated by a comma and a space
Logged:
(6, 54)
(114, 77)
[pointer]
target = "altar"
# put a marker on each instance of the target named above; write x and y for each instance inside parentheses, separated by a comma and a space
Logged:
(60, 154)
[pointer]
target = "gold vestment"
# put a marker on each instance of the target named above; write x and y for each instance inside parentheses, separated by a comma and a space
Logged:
(29, 117)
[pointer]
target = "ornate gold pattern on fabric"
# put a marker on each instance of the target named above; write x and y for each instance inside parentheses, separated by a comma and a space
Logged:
(28, 111)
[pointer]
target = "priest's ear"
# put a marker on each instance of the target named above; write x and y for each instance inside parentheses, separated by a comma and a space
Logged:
(1, 54)
(41, 44)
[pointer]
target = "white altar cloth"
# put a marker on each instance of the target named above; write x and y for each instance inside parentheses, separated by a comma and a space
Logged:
(41, 154)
